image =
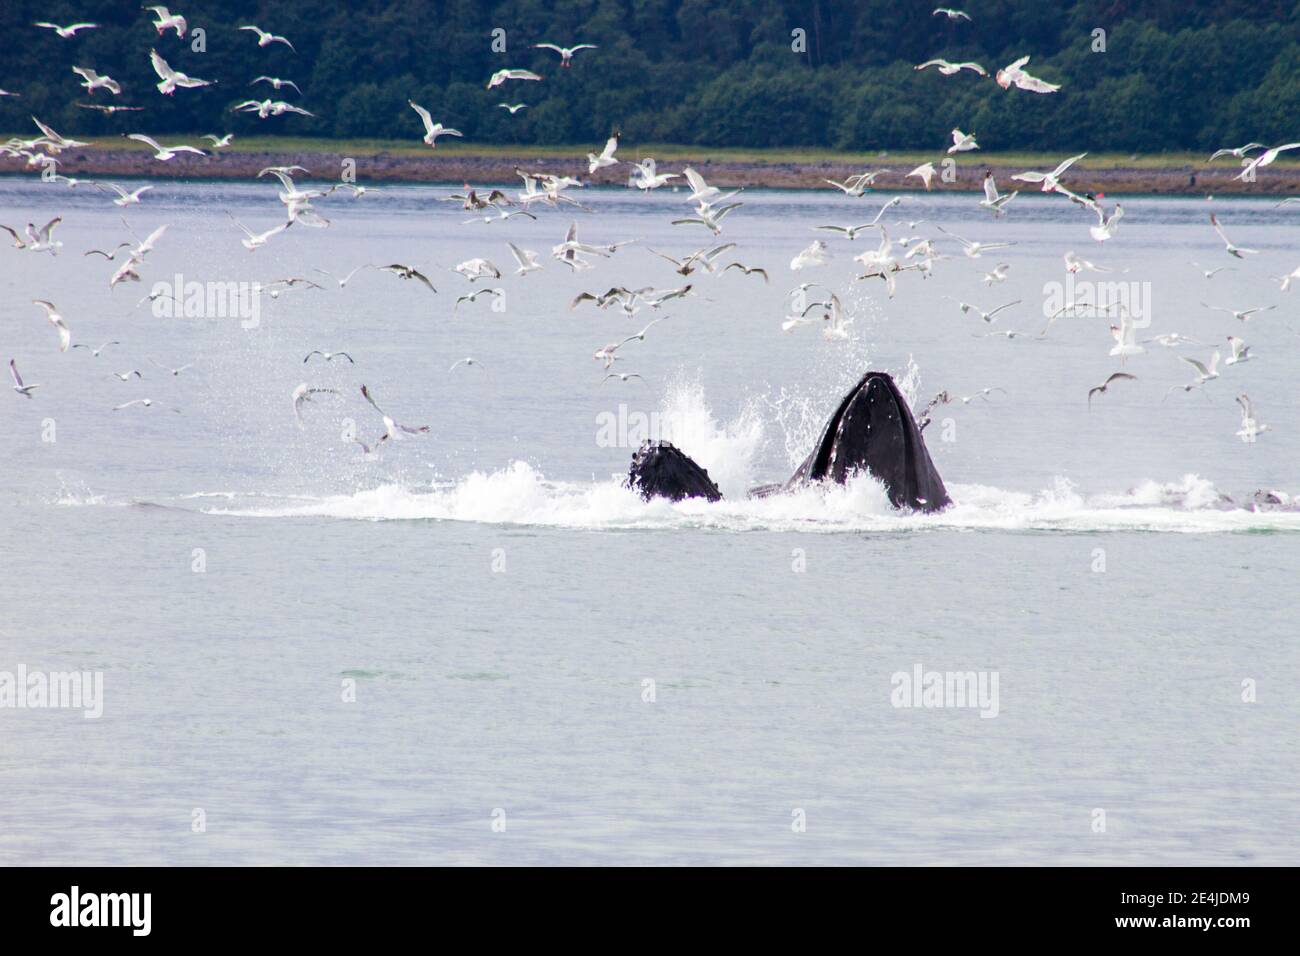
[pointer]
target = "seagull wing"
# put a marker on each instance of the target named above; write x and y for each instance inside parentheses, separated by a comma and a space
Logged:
(148, 141)
(160, 66)
(424, 115)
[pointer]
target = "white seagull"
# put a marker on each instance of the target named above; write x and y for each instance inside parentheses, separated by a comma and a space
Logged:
(989, 316)
(1232, 250)
(1287, 279)
(1242, 315)
(168, 21)
(38, 240)
(814, 255)
(19, 386)
(525, 258)
(56, 320)
(859, 185)
(925, 172)
(566, 52)
(392, 429)
(71, 30)
(266, 39)
(256, 240)
(994, 201)
(432, 130)
(1265, 158)
(171, 80)
(1204, 373)
(951, 69)
(646, 177)
(1074, 265)
(94, 81)
(125, 198)
(973, 250)
(1250, 428)
(174, 372)
(962, 142)
(1106, 225)
(303, 393)
(1050, 180)
(1125, 335)
(1240, 152)
(347, 278)
(606, 157)
(164, 153)
(95, 352)
(474, 269)
(1014, 75)
(1240, 351)
(500, 76)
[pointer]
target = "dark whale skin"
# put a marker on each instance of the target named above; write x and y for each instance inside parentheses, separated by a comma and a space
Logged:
(662, 470)
(873, 430)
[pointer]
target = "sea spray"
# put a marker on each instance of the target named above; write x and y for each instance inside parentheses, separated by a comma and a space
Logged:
(727, 451)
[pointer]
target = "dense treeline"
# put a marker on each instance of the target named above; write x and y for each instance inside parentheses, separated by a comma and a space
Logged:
(1174, 75)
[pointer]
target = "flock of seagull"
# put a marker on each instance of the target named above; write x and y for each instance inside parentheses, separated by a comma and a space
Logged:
(887, 258)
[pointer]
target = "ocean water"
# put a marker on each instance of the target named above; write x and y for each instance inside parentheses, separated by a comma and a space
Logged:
(475, 646)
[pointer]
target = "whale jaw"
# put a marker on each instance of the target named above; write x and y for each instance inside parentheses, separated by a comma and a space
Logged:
(873, 430)
(662, 470)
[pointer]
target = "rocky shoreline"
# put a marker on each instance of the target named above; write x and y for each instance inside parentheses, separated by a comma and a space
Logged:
(457, 168)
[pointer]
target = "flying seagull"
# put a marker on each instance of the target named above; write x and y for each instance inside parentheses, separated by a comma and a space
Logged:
(303, 393)
(1232, 250)
(1111, 379)
(392, 429)
(93, 351)
(171, 80)
(566, 52)
(56, 320)
(266, 39)
(167, 21)
(500, 76)
(71, 30)
(948, 68)
(329, 356)
(432, 130)
(407, 272)
(19, 386)
(95, 81)
(606, 157)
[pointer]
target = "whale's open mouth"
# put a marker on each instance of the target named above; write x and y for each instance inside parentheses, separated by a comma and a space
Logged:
(872, 431)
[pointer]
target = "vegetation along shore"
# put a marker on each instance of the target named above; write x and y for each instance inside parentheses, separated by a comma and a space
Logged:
(402, 161)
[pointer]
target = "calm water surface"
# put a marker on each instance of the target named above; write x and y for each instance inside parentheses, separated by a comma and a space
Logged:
(501, 609)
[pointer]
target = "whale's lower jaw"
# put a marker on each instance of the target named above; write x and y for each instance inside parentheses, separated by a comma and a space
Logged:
(872, 430)
(662, 470)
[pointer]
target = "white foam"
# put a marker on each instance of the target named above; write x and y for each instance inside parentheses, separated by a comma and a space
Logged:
(520, 495)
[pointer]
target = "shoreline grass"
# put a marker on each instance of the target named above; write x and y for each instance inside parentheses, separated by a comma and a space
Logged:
(669, 152)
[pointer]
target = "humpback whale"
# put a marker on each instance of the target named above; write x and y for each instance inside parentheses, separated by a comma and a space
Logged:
(871, 430)
(662, 470)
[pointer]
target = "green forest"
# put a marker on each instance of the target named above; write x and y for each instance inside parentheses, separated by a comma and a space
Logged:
(1135, 76)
